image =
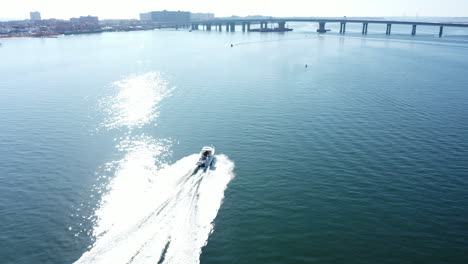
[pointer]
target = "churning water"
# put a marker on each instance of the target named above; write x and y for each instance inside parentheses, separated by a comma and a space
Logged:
(151, 211)
(160, 215)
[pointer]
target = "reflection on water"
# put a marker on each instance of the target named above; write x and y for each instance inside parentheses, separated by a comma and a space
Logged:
(135, 102)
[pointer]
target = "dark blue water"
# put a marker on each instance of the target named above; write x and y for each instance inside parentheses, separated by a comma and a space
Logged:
(359, 158)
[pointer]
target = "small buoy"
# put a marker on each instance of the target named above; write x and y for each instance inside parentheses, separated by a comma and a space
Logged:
(306, 65)
(232, 45)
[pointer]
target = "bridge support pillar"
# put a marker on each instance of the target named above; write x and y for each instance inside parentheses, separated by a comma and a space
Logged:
(364, 28)
(233, 26)
(248, 26)
(282, 25)
(321, 28)
(243, 26)
(389, 29)
(413, 31)
(208, 27)
(227, 27)
(342, 27)
(441, 31)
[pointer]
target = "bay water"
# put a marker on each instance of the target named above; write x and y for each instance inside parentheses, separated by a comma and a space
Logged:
(360, 157)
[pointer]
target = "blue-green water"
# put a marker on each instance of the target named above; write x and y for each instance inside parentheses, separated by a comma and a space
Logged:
(362, 157)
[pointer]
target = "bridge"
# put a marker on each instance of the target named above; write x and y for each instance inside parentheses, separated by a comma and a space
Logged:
(281, 22)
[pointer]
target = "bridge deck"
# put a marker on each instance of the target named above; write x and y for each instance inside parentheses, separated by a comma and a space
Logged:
(276, 20)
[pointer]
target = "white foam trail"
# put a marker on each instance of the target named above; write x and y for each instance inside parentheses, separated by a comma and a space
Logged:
(136, 100)
(151, 211)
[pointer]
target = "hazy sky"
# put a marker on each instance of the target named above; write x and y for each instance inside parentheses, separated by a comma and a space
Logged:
(19, 9)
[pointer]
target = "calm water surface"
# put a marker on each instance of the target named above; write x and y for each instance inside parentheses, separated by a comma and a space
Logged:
(362, 157)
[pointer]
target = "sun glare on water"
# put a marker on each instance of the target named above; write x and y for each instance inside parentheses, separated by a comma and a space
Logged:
(152, 211)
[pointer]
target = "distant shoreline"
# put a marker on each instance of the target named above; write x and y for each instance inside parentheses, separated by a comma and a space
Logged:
(31, 36)
(55, 35)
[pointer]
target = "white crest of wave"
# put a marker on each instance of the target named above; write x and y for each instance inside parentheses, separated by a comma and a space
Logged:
(136, 99)
(157, 214)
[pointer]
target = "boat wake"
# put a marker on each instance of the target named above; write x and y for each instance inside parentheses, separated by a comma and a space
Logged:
(157, 215)
(150, 211)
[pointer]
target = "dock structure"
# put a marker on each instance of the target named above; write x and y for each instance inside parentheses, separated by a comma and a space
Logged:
(281, 22)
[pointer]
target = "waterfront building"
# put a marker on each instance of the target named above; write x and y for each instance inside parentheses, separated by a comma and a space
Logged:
(81, 24)
(114, 22)
(170, 16)
(35, 16)
(201, 16)
(89, 20)
(145, 16)
(75, 20)
(63, 26)
(5, 30)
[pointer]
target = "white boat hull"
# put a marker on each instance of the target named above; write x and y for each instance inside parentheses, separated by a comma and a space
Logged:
(206, 157)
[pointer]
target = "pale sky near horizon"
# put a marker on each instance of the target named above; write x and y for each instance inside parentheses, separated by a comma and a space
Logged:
(19, 9)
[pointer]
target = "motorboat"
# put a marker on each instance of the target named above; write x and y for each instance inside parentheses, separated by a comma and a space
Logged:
(206, 157)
